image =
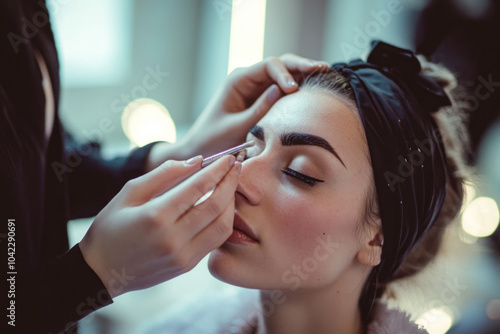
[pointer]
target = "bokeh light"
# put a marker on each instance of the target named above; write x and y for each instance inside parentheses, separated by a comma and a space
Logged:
(437, 320)
(480, 217)
(145, 121)
(466, 237)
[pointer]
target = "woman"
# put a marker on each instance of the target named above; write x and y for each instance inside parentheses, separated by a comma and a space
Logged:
(349, 188)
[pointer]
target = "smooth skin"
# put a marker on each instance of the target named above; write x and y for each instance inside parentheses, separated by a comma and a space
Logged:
(151, 231)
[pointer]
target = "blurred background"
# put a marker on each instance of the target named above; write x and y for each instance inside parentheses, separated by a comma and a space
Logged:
(136, 71)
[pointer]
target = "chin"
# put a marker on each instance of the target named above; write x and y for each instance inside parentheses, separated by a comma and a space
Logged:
(221, 265)
(226, 268)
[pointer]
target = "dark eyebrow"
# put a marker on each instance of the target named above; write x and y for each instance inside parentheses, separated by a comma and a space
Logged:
(258, 132)
(296, 138)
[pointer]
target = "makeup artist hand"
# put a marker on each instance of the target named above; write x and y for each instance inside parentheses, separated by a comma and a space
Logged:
(152, 232)
(244, 98)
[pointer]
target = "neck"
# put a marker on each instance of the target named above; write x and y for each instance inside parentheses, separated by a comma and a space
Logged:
(332, 309)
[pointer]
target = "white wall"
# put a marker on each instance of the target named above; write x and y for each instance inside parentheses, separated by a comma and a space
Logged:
(165, 34)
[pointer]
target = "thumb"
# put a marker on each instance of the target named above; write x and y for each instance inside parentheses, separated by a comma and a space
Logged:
(260, 107)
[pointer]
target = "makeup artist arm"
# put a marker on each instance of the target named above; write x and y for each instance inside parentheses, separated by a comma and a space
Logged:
(243, 99)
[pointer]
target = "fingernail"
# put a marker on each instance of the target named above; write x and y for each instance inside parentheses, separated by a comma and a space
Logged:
(232, 159)
(322, 64)
(274, 94)
(292, 83)
(238, 167)
(194, 160)
(241, 155)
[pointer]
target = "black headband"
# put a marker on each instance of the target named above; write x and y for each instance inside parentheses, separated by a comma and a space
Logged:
(408, 159)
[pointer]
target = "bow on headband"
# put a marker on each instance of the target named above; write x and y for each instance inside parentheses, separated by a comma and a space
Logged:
(404, 63)
(408, 159)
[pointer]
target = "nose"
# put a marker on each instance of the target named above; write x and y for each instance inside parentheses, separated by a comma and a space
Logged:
(252, 181)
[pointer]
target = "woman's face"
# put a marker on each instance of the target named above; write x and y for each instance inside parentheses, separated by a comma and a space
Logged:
(302, 193)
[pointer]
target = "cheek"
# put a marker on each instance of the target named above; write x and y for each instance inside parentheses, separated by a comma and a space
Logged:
(298, 219)
(314, 235)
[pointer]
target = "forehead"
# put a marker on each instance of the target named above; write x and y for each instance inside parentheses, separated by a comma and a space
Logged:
(316, 112)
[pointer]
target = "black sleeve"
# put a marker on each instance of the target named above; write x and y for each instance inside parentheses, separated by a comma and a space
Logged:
(94, 181)
(60, 294)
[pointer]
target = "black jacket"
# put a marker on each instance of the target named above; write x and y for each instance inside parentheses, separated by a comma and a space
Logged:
(43, 184)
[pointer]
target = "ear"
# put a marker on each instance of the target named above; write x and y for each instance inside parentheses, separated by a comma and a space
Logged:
(370, 252)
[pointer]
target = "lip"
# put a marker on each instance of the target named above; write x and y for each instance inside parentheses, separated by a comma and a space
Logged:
(242, 233)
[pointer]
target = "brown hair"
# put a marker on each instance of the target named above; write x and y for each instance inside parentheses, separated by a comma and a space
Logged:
(451, 123)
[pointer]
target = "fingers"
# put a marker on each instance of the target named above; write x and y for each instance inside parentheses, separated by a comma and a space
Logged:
(260, 107)
(292, 67)
(164, 177)
(279, 73)
(295, 63)
(182, 198)
(279, 70)
(212, 216)
(214, 235)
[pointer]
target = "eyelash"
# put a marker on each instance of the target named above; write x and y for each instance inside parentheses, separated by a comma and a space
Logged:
(311, 181)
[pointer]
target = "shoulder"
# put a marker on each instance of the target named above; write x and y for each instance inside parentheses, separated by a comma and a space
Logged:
(207, 313)
(387, 321)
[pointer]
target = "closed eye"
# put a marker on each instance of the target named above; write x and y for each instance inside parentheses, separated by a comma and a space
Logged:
(311, 181)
